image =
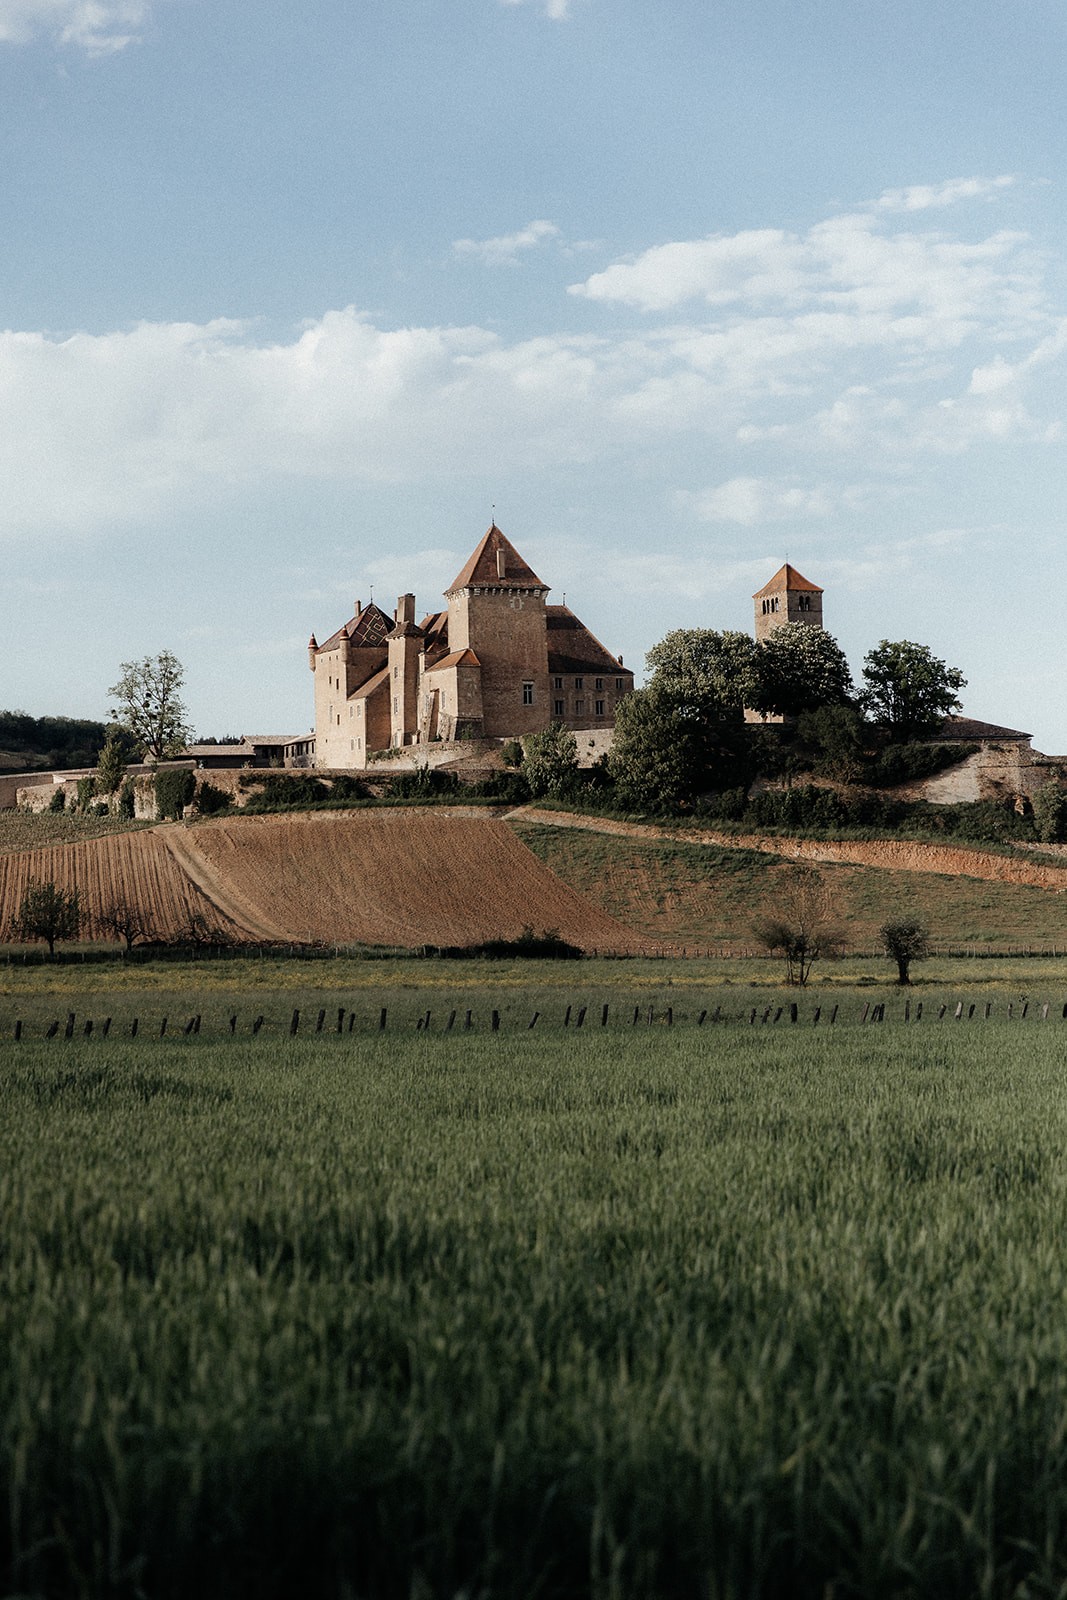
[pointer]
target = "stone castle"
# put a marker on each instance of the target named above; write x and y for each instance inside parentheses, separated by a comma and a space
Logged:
(496, 663)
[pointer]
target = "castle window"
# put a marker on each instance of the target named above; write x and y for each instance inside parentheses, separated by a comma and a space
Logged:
(579, 683)
(600, 708)
(619, 685)
(557, 683)
(558, 708)
(579, 707)
(804, 602)
(599, 684)
(527, 694)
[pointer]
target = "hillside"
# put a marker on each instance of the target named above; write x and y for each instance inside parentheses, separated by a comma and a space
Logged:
(391, 877)
(705, 888)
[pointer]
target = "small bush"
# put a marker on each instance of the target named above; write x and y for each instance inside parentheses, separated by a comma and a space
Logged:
(86, 792)
(58, 801)
(278, 792)
(423, 784)
(909, 763)
(210, 800)
(345, 787)
(127, 800)
(510, 788)
(511, 753)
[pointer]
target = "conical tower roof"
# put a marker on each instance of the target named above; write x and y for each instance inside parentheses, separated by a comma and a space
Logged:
(496, 564)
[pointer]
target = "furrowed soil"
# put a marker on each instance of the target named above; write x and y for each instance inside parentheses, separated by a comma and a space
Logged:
(394, 877)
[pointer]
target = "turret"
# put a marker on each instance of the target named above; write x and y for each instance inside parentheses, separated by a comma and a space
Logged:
(313, 645)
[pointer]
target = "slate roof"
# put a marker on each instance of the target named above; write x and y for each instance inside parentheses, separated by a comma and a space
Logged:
(787, 578)
(573, 649)
(481, 570)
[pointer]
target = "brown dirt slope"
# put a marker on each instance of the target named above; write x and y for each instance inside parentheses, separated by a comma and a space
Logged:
(136, 867)
(397, 877)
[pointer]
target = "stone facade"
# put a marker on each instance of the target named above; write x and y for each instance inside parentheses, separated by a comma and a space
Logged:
(497, 663)
(787, 597)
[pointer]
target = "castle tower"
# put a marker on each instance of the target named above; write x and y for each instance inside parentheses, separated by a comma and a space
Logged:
(787, 597)
(496, 610)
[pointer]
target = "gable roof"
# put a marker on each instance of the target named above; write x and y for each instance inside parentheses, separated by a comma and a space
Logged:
(572, 648)
(458, 658)
(369, 629)
(787, 578)
(482, 570)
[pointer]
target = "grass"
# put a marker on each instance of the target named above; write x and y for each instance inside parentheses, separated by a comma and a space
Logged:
(710, 895)
(736, 1312)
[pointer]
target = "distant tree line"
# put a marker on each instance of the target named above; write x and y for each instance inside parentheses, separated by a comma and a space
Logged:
(60, 742)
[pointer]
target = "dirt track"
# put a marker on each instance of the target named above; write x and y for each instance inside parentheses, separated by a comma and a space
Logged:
(902, 855)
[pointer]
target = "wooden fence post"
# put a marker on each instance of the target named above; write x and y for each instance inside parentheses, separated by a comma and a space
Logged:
(294, 1023)
(533, 1021)
(580, 1017)
(604, 1016)
(321, 1020)
(69, 1030)
(496, 1021)
(257, 1025)
(18, 1030)
(567, 1017)
(381, 1019)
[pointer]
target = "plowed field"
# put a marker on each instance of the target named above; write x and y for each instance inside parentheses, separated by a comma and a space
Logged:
(137, 868)
(398, 877)
(393, 877)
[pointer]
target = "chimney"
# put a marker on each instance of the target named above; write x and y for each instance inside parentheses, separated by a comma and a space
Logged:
(501, 563)
(620, 661)
(405, 609)
(359, 609)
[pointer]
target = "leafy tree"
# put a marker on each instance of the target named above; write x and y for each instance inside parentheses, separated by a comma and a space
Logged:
(1050, 813)
(837, 734)
(683, 735)
(111, 763)
(175, 787)
(905, 940)
(550, 761)
(661, 753)
(703, 670)
(150, 706)
(907, 689)
(798, 668)
(800, 926)
(48, 912)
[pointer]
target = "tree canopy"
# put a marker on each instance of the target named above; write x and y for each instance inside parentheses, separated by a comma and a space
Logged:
(907, 689)
(149, 704)
(798, 668)
(702, 669)
(550, 761)
(48, 912)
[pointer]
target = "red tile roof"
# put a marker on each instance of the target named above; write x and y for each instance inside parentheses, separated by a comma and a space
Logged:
(482, 571)
(458, 658)
(787, 577)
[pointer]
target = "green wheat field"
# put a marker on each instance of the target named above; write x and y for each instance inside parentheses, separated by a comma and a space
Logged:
(631, 1310)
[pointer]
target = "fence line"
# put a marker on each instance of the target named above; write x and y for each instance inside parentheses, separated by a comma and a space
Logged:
(346, 1022)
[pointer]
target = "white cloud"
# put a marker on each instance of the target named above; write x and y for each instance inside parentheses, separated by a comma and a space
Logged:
(99, 27)
(845, 354)
(558, 10)
(748, 501)
(926, 196)
(504, 250)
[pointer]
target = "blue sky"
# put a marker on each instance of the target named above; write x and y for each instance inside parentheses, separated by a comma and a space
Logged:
(294, 296)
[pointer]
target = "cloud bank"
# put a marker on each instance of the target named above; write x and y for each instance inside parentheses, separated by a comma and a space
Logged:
(819, 369)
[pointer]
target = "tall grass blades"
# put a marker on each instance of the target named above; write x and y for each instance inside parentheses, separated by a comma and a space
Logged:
(619, 1313)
